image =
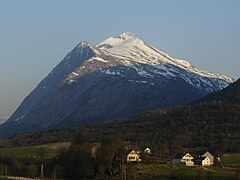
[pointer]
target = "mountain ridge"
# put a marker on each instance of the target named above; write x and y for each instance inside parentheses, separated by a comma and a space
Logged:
(3, 119)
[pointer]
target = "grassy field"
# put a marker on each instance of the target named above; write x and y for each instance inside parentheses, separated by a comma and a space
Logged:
(51, 150)
(231, 160)
(166, 171)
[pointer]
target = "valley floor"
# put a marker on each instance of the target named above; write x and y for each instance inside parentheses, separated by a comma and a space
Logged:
(162, 169)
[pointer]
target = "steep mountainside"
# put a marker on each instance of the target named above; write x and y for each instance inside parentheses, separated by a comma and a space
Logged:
(120, 77)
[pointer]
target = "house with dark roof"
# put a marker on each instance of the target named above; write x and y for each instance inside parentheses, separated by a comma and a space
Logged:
(209, 155)
(206, 154)
(202, 161)
(184, 158)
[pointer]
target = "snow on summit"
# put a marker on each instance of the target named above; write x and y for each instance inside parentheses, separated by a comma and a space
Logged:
(124, 44)
(130, 51)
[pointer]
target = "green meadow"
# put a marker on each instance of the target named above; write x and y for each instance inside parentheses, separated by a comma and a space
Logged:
(50, 150)
(231, 159)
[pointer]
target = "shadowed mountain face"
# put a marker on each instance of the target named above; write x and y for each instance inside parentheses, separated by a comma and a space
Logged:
(120, 77)
(230, 95)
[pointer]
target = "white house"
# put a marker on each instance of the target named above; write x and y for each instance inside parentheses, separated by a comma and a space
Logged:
(184, 158)
(147, 151)
(203, 161)
(209, 155)
(133, 156)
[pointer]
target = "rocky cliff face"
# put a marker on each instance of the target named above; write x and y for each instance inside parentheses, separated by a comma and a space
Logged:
(119, 77)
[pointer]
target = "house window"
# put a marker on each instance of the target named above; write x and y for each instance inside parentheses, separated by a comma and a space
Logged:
(131, 158)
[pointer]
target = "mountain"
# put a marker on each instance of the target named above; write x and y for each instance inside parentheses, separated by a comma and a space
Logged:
(119, 77)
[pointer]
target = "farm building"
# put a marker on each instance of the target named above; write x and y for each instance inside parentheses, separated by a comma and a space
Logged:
(184, 158)
(202, 161)
(133, 156)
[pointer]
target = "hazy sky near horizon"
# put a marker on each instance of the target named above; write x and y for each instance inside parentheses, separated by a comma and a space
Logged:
(36, 35)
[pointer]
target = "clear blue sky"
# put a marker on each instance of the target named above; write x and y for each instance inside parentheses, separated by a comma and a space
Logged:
(36, 35)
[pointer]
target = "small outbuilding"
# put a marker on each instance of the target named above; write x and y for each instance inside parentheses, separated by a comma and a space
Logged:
(147, 151)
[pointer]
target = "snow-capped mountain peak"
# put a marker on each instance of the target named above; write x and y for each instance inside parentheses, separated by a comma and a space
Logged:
(131, 52)
(129, 49)
(129, 46)
(127, 35)
(83, 44)
(124, 40)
